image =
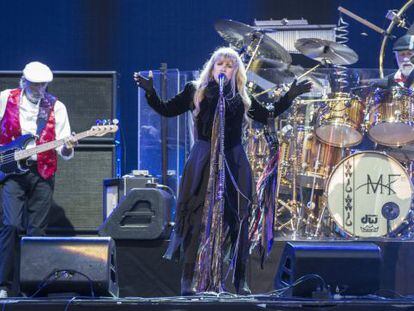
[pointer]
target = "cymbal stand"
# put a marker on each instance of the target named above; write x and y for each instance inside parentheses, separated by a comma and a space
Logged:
(310, 205)
(291, 205)
(321, 215)
(255, 50)
(282, 171)
(297, 206)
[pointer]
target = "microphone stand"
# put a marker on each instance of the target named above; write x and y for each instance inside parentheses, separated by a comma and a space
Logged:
(221, 159)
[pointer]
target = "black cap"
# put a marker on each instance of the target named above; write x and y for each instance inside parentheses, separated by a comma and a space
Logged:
(405, 42)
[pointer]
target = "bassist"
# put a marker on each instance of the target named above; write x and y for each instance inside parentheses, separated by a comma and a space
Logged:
(29, 109)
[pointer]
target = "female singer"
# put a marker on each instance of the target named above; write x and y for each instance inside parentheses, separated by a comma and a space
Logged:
(207, 235)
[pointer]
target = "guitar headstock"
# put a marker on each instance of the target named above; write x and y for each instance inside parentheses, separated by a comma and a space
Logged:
(104, 127)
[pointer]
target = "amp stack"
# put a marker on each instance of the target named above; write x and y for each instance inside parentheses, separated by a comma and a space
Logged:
(88, 97)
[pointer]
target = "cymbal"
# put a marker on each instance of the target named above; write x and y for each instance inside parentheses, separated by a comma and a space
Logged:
(278, 72)
(324, 50)
(240, 35)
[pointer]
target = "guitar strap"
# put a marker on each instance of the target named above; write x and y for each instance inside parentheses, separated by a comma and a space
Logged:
(410, 79)
(45, 108)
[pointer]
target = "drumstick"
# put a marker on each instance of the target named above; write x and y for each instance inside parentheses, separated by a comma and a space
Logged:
(361, 20)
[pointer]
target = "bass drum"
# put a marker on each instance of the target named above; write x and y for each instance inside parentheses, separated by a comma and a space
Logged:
(369, 195)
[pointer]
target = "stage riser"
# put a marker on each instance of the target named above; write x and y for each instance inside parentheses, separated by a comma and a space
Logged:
(143, 272)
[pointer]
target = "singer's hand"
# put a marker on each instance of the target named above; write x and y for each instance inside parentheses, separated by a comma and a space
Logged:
(300, 88)
(146, 84)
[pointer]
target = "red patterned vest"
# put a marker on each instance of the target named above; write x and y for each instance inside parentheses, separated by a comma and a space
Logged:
(11, 129)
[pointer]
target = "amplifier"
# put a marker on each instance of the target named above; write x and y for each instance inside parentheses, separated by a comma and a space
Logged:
(114, 189)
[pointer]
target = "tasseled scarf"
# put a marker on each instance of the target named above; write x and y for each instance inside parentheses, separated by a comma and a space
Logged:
(263, 213)
(208, 272)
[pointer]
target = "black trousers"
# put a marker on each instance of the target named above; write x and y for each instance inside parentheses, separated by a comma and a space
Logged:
(26, 201)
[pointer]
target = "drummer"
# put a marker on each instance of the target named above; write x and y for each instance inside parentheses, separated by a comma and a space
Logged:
(404, 51)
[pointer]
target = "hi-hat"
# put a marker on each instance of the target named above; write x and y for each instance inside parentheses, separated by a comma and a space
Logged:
(326, 51)
(241, 35)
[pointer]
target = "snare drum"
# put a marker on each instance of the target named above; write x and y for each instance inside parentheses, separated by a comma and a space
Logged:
(391, 117)
(369, 195)
(340, 120)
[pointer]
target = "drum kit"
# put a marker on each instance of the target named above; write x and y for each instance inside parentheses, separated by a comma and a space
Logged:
(327, 186)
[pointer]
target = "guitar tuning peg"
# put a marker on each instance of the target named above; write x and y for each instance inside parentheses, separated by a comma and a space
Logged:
(115, 121)
(98, 122)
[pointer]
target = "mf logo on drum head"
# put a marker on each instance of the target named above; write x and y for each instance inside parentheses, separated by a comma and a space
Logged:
(379, 184)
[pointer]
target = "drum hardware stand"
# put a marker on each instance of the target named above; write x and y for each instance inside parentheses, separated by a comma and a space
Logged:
(321, 215)
(311, 205)
(296, 204)
(255, 50)
(292, 205)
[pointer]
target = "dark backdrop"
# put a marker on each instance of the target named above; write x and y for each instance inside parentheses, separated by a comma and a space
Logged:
(130, 35)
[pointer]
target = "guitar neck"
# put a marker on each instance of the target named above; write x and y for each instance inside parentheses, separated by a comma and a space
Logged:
(27, 153)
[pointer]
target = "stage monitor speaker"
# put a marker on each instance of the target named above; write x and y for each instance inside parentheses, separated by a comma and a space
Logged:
(83, 266)
(77, 199)
(144, 214)
(348, 268)
(115, 189)
(87, 95)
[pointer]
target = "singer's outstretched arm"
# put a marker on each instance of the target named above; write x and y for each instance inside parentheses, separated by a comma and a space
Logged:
(175, 106)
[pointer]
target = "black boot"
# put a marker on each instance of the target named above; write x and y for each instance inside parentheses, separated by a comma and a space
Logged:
(187, 280)
(240, 280)
(242, 288)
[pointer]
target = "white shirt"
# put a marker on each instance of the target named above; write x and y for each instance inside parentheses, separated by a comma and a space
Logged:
(28, 118)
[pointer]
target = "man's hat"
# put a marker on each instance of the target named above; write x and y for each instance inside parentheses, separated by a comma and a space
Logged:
(405, 42)
(37, 72)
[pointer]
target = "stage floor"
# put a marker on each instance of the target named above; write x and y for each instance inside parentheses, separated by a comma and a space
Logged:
(206, 303)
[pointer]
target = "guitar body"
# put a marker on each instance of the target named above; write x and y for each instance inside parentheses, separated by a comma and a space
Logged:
(17, 149)
(8, 167)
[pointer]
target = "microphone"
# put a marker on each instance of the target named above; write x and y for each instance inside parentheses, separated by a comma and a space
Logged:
(222, 80)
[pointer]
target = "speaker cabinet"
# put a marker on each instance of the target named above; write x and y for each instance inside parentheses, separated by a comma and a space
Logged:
(348, 268)
(87, 95)
(85, 266)
(77, 199)
(143, 214)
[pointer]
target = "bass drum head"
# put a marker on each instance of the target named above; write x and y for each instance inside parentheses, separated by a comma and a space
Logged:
(369, 194)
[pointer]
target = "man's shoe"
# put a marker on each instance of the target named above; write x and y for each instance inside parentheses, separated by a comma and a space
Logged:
(3, 294)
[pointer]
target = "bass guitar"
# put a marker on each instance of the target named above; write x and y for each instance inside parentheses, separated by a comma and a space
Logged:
(13, 155)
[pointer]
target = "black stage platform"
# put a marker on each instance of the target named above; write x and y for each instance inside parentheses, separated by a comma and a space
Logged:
(206, 303)
(148, 282)
(143, 272)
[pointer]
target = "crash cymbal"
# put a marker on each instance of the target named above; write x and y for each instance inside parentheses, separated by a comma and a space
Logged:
(326, 51)
(267, 63)
(279, 72)
(241, 35)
